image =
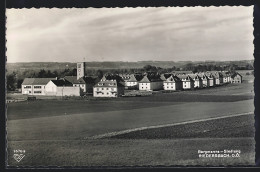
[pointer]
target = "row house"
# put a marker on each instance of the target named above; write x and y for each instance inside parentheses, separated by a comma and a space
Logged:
(236, 78)
(187, 82)
(35, 86)
(218, 77)
(226, 77)
(172, 82)
(197, 80)
(211, 79)
(151, 82)
(205, 79)
(131, 81)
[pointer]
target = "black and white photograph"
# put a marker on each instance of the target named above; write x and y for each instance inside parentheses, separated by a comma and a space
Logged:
(130, 87)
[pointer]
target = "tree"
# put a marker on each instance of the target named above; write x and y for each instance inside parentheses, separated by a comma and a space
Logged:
(11, 81)
(99, 73)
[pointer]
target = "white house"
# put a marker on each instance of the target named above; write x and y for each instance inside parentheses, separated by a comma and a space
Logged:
(236, 78)
(35, 86)
(172, 83)
(108, 88)
(211, 78)
(133, 81)
(62, 88)
(197, 80)
(187, 81)
(151, 82)
(218, 77)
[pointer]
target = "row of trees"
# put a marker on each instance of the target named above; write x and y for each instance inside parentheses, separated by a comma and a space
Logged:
(15, 79)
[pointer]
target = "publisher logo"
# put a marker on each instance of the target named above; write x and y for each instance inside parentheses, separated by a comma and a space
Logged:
(19, 155)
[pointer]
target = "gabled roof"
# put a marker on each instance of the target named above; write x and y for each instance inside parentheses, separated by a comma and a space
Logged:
(165, 76)
(135, 78)
(235, 74)
(36, 81)
(61, 83)
(173, 78)
(74, 80)
(108, 83)
(151, 78)
(185, 77)
(203, 76)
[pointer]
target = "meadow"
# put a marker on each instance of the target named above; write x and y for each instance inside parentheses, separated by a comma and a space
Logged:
(59, 132)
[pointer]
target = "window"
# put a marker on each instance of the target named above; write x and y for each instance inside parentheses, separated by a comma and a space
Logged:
(37, 92)
(107, 88)
(37, 87)
(79, 65)
(102, 88)
(27, 86)
(97, 89)
(107, 93)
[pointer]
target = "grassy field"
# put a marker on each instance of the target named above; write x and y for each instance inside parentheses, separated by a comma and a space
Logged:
(169, 151)
(53, 132)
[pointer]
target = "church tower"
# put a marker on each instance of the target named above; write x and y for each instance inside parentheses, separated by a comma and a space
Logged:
(80, 69)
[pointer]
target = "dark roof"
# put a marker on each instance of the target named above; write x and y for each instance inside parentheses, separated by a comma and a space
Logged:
(151, 78)
(61, 82)
(135, 78)
(187, 77)
(108, 83)
(172, 78)
(235, 74)
(74, 80)
(36, 81)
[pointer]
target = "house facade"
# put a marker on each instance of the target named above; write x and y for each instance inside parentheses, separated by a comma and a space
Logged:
(236, 78)
(211, 78)
(151, 83)
(132, 81)
(108, 88)
(197, 81)
(35, 86)
(62, 88)
(172, 83)
(218, 78)
(187, 82)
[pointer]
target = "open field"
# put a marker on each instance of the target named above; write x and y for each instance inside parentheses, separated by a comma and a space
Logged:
(181, 150)
(54, 132)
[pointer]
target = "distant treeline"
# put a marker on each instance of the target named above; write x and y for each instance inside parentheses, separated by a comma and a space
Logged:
(16, 77)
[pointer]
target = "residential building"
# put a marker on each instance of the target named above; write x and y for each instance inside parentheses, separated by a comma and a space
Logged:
(35, 86)
(151, 82)
(187, 81)
(205, 79)
(108, 88)
(85, 83)
(211, 78)
(236, 78)
(172, 83)
(218, 77)
(133, 81)
(197, 80)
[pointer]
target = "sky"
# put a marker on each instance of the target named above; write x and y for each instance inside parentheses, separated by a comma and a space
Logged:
(129, 34)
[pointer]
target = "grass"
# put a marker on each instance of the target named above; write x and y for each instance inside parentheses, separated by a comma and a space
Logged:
(52, 131)
(180, 147)
(240, 126)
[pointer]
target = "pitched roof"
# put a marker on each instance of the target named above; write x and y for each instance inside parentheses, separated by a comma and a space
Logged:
(36, 81)
(151, 78)
(235, 74)
(187, 77)
(74, 80)
(108, 83)
(61, 82)
(172, 78)
(135, 78)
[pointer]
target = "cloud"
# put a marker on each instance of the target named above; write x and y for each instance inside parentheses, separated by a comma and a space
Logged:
(111, 34)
